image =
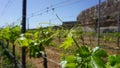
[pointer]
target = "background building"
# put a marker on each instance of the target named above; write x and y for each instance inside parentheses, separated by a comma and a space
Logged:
(69, 24)
(109, 12)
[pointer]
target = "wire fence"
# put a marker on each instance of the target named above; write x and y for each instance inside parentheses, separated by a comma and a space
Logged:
(51, 60)
(9, 55)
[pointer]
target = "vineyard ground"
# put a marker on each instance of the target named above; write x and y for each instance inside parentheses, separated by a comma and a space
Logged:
(54, 53)
(53, 56)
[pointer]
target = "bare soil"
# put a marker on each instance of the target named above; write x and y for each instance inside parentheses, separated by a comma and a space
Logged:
(53, 58)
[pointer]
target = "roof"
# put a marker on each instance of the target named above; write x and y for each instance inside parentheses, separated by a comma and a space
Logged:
(69, 22)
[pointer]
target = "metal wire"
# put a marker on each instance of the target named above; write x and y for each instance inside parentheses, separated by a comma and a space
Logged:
(50, 59)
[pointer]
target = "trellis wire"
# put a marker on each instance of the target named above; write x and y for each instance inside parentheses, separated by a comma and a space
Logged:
(10, 55)
(50, 59)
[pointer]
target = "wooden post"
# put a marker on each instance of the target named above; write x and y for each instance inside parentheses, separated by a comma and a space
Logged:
(98, 28)
(118, 39)
(23, 31)
(45, 61)
(14, 56)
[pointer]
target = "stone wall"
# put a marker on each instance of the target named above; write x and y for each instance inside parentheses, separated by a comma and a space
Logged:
(109, 9)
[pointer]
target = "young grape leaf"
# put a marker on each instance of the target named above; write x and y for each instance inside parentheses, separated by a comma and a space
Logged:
(70, 65)
(96, 62)
(99, 52)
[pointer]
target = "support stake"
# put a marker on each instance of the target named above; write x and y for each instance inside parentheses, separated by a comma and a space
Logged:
(23, 31)
(98, 30)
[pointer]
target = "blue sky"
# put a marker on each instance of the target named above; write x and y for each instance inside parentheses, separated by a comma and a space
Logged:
(40, 13)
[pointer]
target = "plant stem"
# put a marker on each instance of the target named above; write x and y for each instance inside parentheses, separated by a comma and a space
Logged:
(76, 42)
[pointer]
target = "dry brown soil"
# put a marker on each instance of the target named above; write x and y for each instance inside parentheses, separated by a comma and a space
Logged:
(53, 57)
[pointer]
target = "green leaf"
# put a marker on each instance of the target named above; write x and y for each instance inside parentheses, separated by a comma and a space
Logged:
(63, 63)
(67, 43)
(22, 41)
(84, 51)
(96, 62)
(117, 34)
(48, 41)
(114, 59)
(36, 35)
(70, 65)
(69, 40)
(70, 59)
(25, 42)
(15, 32)
(28, 35)
(6, 33)
(99, 52)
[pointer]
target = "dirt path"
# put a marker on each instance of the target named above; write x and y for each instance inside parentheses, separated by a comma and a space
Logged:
(53, 57)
